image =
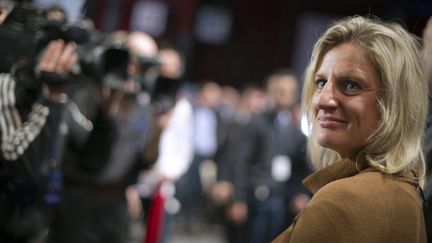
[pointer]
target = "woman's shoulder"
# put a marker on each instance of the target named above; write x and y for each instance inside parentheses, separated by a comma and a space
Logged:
(355, 189)
(367, 207)
(370, 187)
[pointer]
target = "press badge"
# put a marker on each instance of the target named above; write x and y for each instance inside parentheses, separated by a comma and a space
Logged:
(281, 168)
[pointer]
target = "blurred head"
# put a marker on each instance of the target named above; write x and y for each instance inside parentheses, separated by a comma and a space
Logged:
(142, 45)
(56, 13)
(229, 100)
(118, 38)
(114, 62)
(253, 99)
(229, 96)
(282, 89)
(171, 63)
(363, 101)
(210, 94)
(144, 51)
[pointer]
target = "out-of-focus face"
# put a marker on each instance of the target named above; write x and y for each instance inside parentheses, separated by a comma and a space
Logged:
(140, 45)
(283, 91)
(257, 101)
(171, 64)
(345, 101)
(210, 94)
(56, 15)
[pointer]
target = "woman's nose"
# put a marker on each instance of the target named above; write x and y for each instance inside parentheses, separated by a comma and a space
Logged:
(326, 98)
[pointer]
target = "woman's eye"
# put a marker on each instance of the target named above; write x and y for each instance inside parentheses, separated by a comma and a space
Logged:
(321, 83)
(351, 86)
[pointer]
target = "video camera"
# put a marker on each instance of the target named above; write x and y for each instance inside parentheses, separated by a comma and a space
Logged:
(27, 30)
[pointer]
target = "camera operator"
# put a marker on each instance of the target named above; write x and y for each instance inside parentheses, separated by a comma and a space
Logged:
(35, 118)
(123, 141)
(175, 148)
(29, 129)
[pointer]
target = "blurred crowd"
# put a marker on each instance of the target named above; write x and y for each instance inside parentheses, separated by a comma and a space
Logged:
(100, 130)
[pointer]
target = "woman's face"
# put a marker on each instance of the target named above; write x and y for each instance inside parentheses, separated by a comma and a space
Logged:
(345, 101)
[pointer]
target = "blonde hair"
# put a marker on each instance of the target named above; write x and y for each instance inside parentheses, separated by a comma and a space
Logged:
(396, 145)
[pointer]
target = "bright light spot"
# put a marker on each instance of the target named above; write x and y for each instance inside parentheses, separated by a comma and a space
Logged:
(305, 126)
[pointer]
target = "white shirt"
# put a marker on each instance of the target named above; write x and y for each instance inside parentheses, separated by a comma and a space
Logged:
(176, 142)
(205, 137)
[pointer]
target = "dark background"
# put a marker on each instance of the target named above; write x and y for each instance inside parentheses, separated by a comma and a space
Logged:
(264, 35)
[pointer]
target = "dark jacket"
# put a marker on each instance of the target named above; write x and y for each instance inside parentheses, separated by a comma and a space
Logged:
(111, 156)
(290, 142)
(244, 159)
(33, 131)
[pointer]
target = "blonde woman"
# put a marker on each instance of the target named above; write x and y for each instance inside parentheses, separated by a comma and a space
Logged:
(366, 99)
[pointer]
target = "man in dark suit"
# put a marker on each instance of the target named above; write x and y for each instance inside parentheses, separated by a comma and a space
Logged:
(272, 207)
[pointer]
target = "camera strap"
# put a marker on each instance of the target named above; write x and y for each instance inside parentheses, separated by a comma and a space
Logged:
(52, 79)
(54, 178)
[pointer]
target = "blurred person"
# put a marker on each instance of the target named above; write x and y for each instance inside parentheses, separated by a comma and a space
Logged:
(143, 50)
(27, 161)
(220, 191)
(274, 206)
(205, 138)
(143, 67)
(33, 112)
(366, 136)
(175, 147)
(98, 174)
(31, 119)
(284, 118)
(228, 103)
(242, 164)
(56, 13)
(205, 119)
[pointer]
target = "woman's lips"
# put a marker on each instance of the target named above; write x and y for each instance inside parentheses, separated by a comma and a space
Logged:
(331, 122)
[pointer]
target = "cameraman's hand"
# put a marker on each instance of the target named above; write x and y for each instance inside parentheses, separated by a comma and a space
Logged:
(58, 57)
(110, 100)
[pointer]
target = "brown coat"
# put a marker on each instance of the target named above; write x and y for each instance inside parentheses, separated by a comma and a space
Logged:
(352, 206)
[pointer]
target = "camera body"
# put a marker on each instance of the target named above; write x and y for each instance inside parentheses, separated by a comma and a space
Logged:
(27, 30)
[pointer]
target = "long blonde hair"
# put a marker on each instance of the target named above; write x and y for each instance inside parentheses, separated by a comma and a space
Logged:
(396, 145)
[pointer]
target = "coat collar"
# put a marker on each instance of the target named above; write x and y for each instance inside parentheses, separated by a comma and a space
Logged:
(347, 168)
(341, 169)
